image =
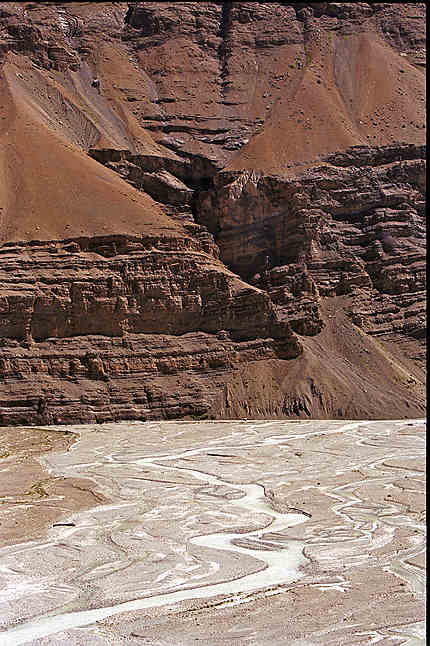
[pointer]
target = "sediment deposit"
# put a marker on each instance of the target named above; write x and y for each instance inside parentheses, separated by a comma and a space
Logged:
(264, 532)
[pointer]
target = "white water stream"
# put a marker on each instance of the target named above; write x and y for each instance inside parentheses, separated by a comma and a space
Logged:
(279, 566)
(275, 563)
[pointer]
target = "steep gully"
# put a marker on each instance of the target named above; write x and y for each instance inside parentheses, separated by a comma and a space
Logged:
(353, 225)
(68, 580)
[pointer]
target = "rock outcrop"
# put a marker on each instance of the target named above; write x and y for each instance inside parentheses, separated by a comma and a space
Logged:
(352, 226)
(113, 286)
(228, 223)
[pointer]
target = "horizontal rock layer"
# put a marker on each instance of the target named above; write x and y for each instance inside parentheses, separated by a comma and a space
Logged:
(204, 376)
(217, 211)
(114, 285)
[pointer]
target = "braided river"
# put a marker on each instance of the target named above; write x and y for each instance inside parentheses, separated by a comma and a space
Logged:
(247, 532)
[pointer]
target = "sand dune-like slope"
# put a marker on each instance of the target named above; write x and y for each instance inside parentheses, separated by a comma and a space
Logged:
(51, 189)
(262, 89)
(353, 90)
(266, 85)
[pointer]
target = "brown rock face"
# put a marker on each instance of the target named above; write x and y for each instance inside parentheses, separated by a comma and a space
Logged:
(352, 226)
(112, 286)
(264, 85)
(229, 223)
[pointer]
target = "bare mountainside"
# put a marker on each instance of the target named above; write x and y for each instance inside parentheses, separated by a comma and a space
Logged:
(211, 209)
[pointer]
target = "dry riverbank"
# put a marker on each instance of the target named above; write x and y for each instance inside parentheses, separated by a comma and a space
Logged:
(229, 534)
(31, 498)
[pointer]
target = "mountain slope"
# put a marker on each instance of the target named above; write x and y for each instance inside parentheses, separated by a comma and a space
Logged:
(211, 209)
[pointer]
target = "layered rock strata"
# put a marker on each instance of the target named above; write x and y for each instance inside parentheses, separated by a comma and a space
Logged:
(355, 225)
(352, 225)
(228, 223)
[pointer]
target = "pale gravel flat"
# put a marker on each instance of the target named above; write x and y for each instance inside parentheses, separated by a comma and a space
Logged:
(258, 533)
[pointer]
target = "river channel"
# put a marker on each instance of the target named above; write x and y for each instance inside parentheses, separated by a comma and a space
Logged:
(217, 517)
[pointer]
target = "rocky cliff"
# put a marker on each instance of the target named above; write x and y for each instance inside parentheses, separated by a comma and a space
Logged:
(211, 210)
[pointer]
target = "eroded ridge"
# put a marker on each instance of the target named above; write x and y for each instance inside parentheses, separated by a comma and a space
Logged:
(295, 517)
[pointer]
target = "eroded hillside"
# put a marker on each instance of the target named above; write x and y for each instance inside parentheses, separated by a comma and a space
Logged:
(211, 209)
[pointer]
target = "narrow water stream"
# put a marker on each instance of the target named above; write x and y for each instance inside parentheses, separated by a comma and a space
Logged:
(112, 540)
(277, 566)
